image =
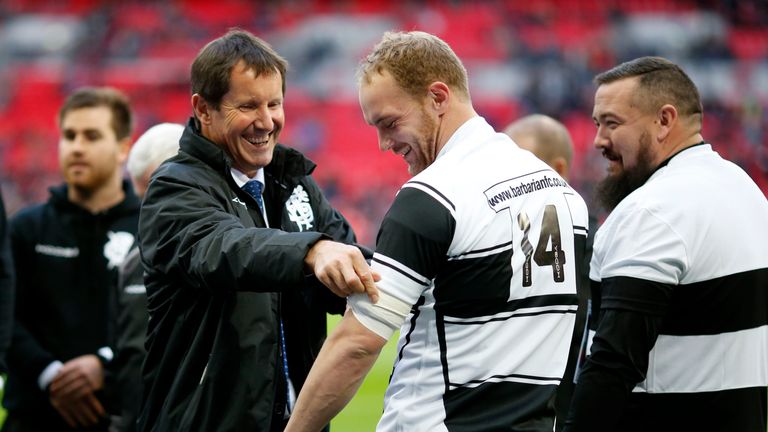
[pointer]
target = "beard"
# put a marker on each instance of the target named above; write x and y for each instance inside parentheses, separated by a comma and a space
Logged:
(427, 142)
(614, 188)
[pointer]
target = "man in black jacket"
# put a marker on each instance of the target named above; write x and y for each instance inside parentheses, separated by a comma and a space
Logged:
(235, 235)
(66, 254)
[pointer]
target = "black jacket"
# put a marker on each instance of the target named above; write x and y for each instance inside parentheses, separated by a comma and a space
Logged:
(7, 287)
(215, 277)
(66, 262)
(124, 371)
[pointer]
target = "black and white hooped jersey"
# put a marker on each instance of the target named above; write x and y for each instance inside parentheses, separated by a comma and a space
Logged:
(485, 244)
(700, 225)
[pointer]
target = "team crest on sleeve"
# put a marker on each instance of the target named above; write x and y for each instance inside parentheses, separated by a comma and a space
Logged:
(117, 247)
(299, 209)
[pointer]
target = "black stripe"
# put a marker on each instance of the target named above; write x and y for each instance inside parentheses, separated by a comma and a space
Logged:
(726, 304)
(740, 410)
(435, 191)
(501, 406)
(416, 232)
(416, 312)
(637, 295)
(479, 287)
(473, 287)
(443, 349)
(504, 318)
(500, 246)
(530, 377)
(402, 272)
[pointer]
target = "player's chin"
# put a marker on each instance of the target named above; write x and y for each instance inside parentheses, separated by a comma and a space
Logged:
(262, 158)
(81, 182)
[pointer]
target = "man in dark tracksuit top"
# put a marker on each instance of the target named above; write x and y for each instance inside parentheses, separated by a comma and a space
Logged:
(66, 253)
(228, 282)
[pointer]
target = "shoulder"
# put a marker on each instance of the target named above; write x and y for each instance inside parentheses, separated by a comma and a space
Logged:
(33, 213)
(642, 238)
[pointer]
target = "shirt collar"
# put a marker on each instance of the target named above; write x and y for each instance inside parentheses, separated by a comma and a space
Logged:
(241, 179)
(469, 128)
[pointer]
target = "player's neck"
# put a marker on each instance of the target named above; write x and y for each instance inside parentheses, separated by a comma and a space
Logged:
(99, 199)
(453, 120)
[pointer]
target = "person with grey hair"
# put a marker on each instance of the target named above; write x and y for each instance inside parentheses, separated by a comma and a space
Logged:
(679, 270)
(157, 144)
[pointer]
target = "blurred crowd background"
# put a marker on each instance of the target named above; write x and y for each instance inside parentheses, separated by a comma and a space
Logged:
(523, 56)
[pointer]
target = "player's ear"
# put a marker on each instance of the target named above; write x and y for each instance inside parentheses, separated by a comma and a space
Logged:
(439, 94)
(560, 165)
(202, 109)
(666, 118)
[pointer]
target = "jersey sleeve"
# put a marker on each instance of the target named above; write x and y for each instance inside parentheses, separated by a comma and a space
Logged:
(411, 245)
(642, 246)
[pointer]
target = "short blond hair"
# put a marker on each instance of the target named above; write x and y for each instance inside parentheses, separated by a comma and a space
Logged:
(415, 60)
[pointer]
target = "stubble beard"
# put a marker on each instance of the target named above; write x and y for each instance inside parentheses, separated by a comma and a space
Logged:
(427, 143)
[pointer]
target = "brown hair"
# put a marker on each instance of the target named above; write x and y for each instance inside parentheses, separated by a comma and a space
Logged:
(415, 60)
(92, 97)
(213, 65)
(660, 82)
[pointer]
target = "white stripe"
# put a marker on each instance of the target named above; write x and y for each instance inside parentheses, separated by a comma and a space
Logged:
(481, 254)
(434, 195)
(688, 364)
(508, 379)
(57, 251)
(401, 267)
(397, 285)
(510, 314)
(577, 230)
(469, 348)
(135, 289)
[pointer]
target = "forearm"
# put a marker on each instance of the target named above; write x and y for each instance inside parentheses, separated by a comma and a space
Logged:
(619, 360)
(345, 359)
(187, 233)
(600, 398)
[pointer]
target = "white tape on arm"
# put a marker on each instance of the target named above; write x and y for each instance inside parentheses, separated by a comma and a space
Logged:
(382, 318)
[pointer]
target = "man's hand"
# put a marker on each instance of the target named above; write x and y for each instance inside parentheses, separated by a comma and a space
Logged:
(342, 268)
(72, 391)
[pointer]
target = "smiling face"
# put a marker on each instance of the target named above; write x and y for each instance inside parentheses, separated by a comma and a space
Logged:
(404, 124)
(625, 134)
(249, 119)
(621, 123)
(90, 155)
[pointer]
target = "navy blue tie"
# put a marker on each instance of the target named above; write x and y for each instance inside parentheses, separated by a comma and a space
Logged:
(254, 188)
